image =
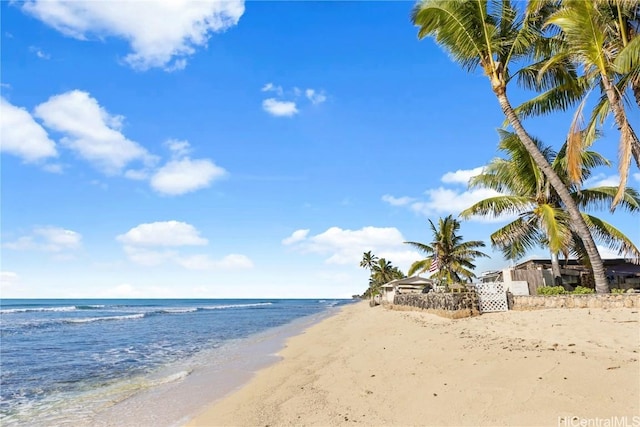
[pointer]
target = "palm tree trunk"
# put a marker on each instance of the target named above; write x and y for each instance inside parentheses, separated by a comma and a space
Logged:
(602, 286)
(555, 269)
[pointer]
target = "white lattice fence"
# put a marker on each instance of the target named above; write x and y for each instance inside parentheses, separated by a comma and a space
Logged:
(491, 297)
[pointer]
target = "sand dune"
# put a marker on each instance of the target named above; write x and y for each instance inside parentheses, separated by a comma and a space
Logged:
(380, 367)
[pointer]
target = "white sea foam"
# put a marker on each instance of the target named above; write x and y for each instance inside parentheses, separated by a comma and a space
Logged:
(178, 310)
(33, 310)
(220, 307)
(170, 378)
(97, 319)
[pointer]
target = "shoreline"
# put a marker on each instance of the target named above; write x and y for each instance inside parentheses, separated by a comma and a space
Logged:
(207, 380)
(375, 366)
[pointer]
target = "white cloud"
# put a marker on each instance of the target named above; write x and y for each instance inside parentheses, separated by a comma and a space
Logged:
(297, 236)
(48, 239)
(397, 201)
(461, 176)
(8, 279)
(445, 201)
(184, 176)
(22, 136)
(270, 87)
(636, 176)
(178, 148)
(279, 108)
(287, 106)
(345, 247)
(158, 243)
(90, 131)
(163, 233)
(315, 97)
(178, 65)
(161, 33)
(205, 262)
(602, 180)
(39, 52)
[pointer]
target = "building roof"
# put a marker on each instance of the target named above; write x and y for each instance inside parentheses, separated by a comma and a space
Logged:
(413, 280)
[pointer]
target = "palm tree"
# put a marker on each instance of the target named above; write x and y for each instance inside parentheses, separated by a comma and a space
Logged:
(384, 272)
(453, 256)
(492, 35)
(542, 219)
(368, 260)
(600, 40)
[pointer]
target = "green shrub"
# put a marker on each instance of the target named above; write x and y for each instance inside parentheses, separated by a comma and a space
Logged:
(551, 290)
(617, 291)
(583, 290)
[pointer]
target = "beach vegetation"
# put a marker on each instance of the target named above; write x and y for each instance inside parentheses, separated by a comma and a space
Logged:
(494, 36)
(449, 258)
(551, 290)
(541, 219)
(582, 290)
(382, 271)
(559, 290)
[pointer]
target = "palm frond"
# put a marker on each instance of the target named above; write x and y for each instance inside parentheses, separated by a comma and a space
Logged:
(455, 25)
(628, 58)
(556, 224)
(612, 238)
(495, 207)
(602, 197)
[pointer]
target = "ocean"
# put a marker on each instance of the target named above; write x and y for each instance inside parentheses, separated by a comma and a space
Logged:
(136, 362)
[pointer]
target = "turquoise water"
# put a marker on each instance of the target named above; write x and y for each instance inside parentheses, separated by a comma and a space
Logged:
(63, 362)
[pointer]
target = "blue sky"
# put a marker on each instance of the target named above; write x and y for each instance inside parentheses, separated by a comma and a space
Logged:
(176, 149)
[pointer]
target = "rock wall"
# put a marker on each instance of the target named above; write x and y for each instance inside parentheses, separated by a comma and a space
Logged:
(452, 305)
(575, 301)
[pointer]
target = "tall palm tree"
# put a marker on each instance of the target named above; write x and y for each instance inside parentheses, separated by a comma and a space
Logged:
(541, 218)
(368, 260)
(453, 255)
(492, 36)
(598, 42)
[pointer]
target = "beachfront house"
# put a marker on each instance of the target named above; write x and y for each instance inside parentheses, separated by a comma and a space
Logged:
(414, 284)
(525, 278)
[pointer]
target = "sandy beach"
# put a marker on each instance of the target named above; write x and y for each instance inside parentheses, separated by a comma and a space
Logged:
(381, 367)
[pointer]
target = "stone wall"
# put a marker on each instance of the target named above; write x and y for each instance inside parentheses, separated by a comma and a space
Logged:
(452, 305)
(529, 302)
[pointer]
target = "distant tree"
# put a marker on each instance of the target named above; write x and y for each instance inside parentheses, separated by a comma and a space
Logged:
(453, 256)
(382, 271)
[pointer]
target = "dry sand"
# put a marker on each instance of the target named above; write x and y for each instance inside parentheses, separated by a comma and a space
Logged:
(380, 367)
